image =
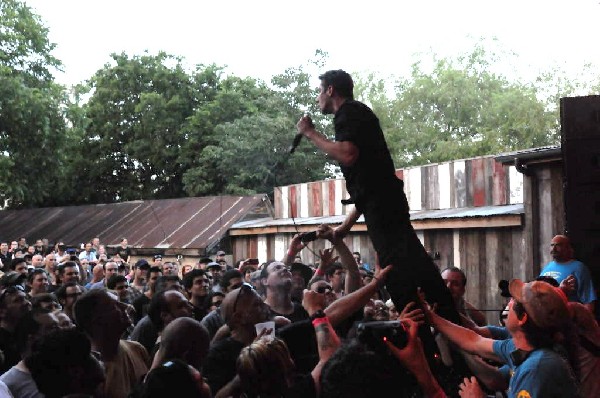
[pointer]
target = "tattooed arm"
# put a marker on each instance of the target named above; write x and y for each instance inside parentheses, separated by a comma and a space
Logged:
(327, 340)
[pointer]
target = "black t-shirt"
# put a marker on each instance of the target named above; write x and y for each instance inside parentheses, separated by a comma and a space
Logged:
(140, 305)
(355, 122)
(6, 260)
(8, 347)
(298, 314)
(219, 367)
(124, 253)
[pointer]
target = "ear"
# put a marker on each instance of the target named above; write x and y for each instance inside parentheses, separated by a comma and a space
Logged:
(523, 320)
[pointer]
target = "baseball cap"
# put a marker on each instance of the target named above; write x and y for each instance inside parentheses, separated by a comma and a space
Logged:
(12, 278)
(213, 265)
(142, 264)
(221, 253)
(546, 305)
(158, 257)
(304, 270)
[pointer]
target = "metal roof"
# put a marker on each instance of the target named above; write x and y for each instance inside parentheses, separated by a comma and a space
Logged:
(541, 153)
(186, 223)
(454, 213)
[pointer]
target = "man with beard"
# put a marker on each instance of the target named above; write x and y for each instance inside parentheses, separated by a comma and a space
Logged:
(277, 280)
(104, 320)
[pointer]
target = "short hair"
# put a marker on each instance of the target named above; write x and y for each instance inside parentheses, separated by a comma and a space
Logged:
(67, 264)
(114, 279)
(86, 307)
(158, 304)
(355, 371)
(16, 261)
(151, 270)
(455, 269)
(162, 281)
(36, 271)
(357, 254)
(38, 299)
(53, 358)
(27, 326)
(188, 278)
(334, 267)
(229, 275)
(61, 292)
(340, 80)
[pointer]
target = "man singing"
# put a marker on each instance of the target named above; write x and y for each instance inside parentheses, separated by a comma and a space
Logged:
(376, 192)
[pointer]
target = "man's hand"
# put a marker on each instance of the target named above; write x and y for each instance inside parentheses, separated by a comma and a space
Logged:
(469, 388)
(412, 356)
(325, 232)
(313, 301)
(296, 245)
(569, 284)
(305, 124)
(380, 274)
(412, 312)
(327, 258)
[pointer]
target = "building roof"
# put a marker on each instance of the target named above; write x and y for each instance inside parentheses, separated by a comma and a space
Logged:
(546, 153)
(184, 223)
(470, 217)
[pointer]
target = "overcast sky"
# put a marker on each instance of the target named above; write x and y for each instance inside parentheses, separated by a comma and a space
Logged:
(262, 38)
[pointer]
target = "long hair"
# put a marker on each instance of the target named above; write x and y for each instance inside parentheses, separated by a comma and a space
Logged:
(265, 368)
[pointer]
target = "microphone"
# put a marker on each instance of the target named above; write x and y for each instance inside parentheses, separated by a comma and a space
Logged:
(298, 136)
(296, 142)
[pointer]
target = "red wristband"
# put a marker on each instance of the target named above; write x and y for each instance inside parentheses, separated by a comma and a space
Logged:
(319, 272)
(317, 321)
(291, 253)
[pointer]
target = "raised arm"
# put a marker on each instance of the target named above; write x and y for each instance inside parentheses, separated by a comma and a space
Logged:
(327, 340)
(352, 281)
(347, 305)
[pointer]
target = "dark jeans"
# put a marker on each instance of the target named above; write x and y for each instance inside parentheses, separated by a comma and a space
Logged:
(394, 239)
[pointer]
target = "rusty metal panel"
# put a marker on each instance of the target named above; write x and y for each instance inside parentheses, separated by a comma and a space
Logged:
(184, 223)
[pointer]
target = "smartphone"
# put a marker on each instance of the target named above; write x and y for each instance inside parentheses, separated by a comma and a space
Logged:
(308, 236)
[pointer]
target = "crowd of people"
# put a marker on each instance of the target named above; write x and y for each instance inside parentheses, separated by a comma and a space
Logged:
(75, 321)
(85, 322)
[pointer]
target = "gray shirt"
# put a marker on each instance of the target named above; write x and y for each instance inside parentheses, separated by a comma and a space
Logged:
(20, 384)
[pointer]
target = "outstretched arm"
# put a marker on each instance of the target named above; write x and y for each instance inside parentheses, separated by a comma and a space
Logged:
(347, 305)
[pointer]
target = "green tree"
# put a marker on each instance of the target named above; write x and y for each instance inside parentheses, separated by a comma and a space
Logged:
(461, 109)
(136, 114)
(32, 124)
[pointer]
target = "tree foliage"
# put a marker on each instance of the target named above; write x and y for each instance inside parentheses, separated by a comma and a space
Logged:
(32, 126)
(461, 109)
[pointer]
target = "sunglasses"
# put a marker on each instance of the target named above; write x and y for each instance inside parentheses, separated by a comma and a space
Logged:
(324, 289)
(245, 287)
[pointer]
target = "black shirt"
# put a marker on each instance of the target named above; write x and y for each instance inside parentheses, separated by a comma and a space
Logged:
(298, 314)
(219, 367)
(356, 122)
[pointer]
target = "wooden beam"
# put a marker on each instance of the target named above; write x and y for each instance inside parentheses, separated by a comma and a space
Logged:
(504, 221)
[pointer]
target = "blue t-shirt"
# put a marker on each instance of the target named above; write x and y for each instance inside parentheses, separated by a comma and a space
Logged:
(498, 332)
(544, 374)
(585, 289)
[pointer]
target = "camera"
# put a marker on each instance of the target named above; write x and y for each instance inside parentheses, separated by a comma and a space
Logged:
(374, 334)
(306, 237)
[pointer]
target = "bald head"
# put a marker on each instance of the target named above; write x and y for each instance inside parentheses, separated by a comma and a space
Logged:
(561, 249)
(186, 339)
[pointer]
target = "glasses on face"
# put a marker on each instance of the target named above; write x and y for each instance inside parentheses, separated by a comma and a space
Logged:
(245, 287)
(323, 289)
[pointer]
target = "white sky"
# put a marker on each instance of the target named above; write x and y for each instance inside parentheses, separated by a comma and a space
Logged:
(264, 37)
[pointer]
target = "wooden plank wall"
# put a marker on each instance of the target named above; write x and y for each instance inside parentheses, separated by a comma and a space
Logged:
(486, 257)
(463, 183)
